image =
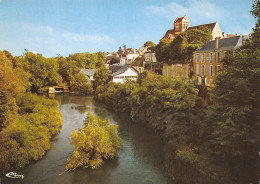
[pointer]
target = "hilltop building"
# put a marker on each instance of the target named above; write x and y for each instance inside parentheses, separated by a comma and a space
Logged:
(181, 24)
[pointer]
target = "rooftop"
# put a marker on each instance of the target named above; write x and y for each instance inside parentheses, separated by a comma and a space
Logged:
(225, 43)
(138, 61)
(120, 69)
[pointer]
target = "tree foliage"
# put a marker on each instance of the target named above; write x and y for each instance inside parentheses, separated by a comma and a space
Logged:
(81, 83)
(114, 60)
(28, 136)
(44, 71)
(165, 103)
(101, 77)
(98, 140)
(88, 60)
(181, 49)
(27, 121)
(235, 112)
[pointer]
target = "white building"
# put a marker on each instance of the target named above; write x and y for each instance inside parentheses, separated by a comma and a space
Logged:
(122, 72)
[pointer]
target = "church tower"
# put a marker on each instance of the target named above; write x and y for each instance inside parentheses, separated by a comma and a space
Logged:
(181, 24)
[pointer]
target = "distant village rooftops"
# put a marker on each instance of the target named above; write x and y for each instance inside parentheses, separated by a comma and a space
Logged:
(114, 68)
(138, 61)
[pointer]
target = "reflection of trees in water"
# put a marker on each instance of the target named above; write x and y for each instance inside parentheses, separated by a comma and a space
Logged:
(81, 108)
(95, 176)
(78, 102)
(67, 98)
(145, 144)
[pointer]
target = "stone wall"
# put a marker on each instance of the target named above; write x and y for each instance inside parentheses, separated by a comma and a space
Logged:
(176, 70)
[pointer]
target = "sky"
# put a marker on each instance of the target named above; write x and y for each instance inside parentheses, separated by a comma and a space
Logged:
(63, 27)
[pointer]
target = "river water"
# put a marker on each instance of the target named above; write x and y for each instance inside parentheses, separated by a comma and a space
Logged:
(140, 160)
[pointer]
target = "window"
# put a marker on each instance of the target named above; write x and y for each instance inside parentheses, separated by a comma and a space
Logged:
(197, 69)
(211, 70)
(211, 57)
(197, 57)
(202, 69)
(218, 56)
(204, 57)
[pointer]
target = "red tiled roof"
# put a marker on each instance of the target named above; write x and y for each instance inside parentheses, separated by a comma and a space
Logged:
(179, 19)
(169, 32)
(109, 57)
(138, 61)
(210, 26)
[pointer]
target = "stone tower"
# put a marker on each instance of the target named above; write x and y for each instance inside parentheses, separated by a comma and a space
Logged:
(181, 24)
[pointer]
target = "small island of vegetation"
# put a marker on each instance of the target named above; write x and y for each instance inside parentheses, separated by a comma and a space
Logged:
(98, 140)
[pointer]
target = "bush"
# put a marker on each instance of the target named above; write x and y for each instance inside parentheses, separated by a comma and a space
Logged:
(95, 142)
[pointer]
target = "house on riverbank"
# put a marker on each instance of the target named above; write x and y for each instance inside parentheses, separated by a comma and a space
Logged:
(119, 73)
(207, 61)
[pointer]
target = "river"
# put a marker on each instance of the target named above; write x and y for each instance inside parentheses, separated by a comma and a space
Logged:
(140, 160)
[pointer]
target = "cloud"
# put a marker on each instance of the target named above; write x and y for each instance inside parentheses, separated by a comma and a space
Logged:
(0, 1)
(196, 10)
(50, 41)
(75, 37)
(37, 29)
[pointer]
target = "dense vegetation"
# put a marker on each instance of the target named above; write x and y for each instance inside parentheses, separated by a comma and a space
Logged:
(98, 140)
(215, 142)
(181, 49)
(27, 121)
(69, 68)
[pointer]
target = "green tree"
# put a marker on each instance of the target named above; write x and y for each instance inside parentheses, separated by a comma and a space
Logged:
(234, 116)
(115, 60)
(149, 44)
(181, 49)
(13, 83)
(44, 71)
(98, 140)
(81, 83)
(101, 77)
(161, 50)
(28, 136)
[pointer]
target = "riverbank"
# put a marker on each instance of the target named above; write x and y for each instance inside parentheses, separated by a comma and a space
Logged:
(176, 112)
(139, 160)
(28, 137)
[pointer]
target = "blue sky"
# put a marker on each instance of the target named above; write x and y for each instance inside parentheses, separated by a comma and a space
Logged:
(63, 27)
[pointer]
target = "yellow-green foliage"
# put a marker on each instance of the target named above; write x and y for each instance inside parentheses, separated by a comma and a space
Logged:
(28, 136)
(98, 140)
(27, 121)
(181, 49)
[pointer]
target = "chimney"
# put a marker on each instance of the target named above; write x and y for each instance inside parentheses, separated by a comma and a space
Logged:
(216, 42)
